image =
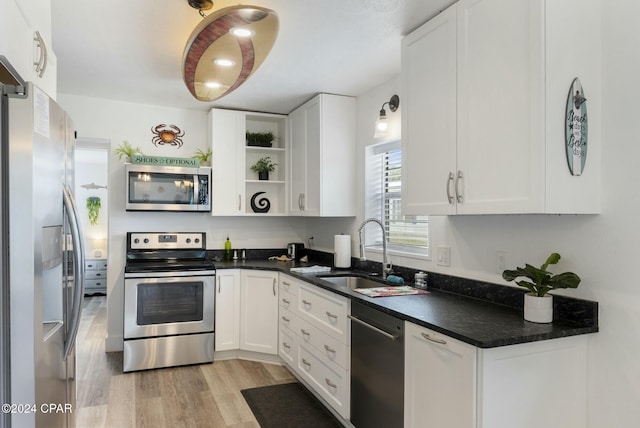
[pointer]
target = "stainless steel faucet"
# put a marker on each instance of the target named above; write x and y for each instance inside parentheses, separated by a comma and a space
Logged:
(386, 266)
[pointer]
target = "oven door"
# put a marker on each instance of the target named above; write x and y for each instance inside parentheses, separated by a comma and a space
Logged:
(168, 304)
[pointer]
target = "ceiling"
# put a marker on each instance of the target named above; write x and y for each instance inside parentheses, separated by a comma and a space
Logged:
(132, 50)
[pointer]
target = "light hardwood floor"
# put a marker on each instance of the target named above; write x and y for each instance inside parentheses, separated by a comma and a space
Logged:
(206, 395)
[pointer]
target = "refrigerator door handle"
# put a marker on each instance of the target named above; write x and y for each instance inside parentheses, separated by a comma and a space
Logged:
(78, 270)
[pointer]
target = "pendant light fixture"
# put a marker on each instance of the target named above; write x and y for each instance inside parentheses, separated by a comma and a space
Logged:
(226, 48)
(382, 127)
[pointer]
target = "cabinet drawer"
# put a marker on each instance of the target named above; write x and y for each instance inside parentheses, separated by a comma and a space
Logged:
(323, 344)
(288, 348)
(324, 311)
(327, 379)
(288, 285)
(94, 264)
(93, 285)
(287, 300)
(95, 274)
(288, 319)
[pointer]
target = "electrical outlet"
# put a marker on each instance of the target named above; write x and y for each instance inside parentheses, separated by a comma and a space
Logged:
(501, 261)
(443, 256)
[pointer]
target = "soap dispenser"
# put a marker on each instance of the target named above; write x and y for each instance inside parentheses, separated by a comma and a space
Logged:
(227, 249)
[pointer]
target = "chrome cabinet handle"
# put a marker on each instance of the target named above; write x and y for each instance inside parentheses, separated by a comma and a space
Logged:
(304, 202)
(300, 201)
(434, 339)
(329, 349)
(305, 332)
(219, 288)
(458, 192)
(330, 384)
(41, 65)
(286, 345)
(306, 302)
(330, 315)
(274, 286)
(286, 283)
(306, 363)
(285, 319)
(239, 202)
(286, 302)
(449, 183)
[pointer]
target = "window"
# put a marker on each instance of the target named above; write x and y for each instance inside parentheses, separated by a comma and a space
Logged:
(405, 234)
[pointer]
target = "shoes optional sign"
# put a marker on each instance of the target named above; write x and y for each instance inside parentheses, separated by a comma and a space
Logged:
(164, 161)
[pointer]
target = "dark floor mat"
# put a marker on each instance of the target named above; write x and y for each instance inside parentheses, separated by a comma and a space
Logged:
(289, 405)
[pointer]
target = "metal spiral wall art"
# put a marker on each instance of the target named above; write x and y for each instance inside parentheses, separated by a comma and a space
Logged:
(263, 206)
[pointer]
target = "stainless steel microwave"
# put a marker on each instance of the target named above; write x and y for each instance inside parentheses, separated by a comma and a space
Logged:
(168, 188)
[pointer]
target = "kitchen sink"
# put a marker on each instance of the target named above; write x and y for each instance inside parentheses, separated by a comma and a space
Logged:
(351, 281)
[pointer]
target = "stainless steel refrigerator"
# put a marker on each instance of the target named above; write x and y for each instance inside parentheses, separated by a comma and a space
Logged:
(42, 259)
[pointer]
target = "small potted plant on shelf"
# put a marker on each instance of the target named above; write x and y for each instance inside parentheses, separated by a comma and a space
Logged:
(203, 156)
(127, 150)
(263, 167)
(538, 305)
(260, 139)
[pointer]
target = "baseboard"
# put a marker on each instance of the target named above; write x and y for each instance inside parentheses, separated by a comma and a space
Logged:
(247, 355)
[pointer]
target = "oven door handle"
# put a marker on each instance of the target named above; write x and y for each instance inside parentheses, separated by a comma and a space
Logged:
(78, 269)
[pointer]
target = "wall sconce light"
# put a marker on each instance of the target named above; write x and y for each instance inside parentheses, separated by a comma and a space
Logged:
(226, 48)
(382, 127)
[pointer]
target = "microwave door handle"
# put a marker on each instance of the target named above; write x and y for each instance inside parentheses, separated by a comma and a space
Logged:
(196, 189)
(78, 269)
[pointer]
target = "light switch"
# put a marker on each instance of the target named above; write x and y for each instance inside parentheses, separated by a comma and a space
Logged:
(443, 256)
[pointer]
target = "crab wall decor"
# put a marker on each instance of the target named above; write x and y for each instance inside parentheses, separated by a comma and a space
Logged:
(167, 135)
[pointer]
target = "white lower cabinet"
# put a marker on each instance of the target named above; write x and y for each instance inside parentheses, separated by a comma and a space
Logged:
(452, 384)
(315, 340)
(227, 330)
(259, 311)
(246, 311)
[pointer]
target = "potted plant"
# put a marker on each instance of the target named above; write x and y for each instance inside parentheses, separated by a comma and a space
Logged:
(263, 167)
(538, 305)
(261, 139)
(93, 208)
(204, 157)
(127, 150)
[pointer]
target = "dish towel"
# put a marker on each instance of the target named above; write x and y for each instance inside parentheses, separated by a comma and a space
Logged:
(311, 269)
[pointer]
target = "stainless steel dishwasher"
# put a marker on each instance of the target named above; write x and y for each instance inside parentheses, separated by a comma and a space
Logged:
(377, 368)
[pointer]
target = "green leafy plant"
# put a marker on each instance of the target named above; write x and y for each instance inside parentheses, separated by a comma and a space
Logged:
(202, 155)
(93, 207)
(542, 281)
(264, 165)
(262, 139)
(127, 150)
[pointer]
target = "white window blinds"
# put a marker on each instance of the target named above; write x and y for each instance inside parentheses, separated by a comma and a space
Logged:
(408, 234)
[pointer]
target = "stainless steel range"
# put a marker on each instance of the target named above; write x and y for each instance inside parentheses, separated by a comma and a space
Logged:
(168, 300)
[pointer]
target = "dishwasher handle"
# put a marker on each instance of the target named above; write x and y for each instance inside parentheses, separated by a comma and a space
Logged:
(374, 328)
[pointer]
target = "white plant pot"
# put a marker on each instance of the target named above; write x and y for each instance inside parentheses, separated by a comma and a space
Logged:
(538, 309)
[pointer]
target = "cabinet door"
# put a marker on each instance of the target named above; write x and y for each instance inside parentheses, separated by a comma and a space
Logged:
(259, 311)
(500, 150)
(227, 329)
(297, 177)
(429, 117)
(440, 380)
(16, 39)
(227, 133)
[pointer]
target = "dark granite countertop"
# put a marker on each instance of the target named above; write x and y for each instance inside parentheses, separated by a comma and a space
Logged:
(471, 311)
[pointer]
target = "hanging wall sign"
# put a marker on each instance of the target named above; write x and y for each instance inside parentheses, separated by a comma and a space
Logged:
(576, 131)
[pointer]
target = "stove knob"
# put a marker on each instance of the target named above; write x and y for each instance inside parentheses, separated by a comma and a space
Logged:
(136, 241)
(146, 240)
(197, 240)
(188, 240)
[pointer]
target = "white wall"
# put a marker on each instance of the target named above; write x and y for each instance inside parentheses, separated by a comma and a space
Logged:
(117, 121)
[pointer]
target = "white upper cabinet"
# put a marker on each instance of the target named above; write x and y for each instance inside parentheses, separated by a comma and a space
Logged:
(236, 188)
(25, 39)
(485, 85)
(323, 157)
